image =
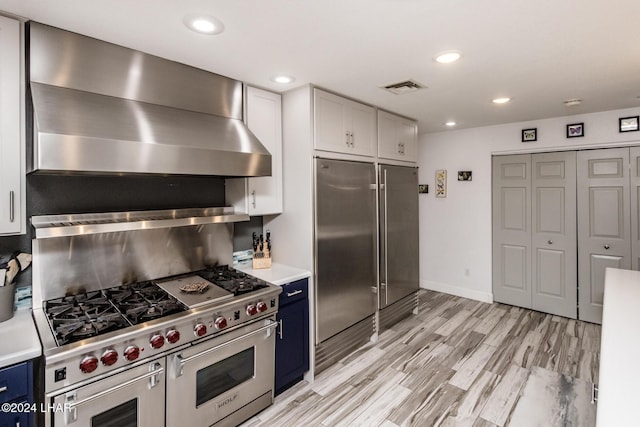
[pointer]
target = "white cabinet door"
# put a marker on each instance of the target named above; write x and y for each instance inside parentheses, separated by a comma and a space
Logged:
(330, 120)
(363, 129)
(261, 195)
(397, 137)
(11, 141)
(343, 126)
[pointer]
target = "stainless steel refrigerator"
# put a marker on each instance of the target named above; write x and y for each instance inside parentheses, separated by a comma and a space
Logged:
(348, 292)
(399, 241)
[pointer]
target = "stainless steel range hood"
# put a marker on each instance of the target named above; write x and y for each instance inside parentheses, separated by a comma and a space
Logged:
(105, 109)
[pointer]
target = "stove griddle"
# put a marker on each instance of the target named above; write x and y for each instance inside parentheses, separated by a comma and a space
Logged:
(212, 294)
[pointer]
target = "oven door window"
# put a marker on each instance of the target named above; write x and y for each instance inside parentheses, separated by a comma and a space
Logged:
(125, 415)
(224, 375)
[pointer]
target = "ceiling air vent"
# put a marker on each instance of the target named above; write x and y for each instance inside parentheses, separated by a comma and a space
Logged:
(407, 86)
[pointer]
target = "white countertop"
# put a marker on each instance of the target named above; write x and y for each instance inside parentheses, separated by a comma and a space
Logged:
(618, 392)
(278, 274)
(19, 339)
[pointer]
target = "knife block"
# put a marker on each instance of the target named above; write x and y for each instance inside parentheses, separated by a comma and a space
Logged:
(262, 259)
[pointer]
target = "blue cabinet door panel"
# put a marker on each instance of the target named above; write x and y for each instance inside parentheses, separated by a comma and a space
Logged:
(14, 381)
(292, 343)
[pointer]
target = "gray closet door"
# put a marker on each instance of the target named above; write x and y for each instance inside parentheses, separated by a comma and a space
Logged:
(512, 230)
(554, 264)
(635, 208)
(603, 224)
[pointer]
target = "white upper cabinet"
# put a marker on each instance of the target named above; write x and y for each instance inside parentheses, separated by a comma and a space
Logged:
(12, 176)
(261, 195)
(397, 137)
(343, 126)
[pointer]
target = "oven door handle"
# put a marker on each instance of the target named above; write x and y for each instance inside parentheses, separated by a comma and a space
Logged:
(179, 361)
(72, 404)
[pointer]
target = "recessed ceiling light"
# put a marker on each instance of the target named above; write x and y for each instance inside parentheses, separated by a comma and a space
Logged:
(572, 102)
(204, 24)
(283, 79)
(450, 123)
(448, 57)
(503, 100)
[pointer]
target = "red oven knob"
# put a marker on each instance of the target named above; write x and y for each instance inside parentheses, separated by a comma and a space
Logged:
(89, 364)
(200, 329)
(251, 310)
(221, 323)
(173, 336)
(109, 357)
(262, 307)
(156, 341)
(131, 353)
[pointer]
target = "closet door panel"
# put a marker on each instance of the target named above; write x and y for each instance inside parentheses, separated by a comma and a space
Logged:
(512, 230)
(604, 224)
(553, 239)
(635, 207)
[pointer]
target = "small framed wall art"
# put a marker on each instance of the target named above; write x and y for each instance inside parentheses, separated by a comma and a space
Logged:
(441, 183)
(575, 130)
(529, 135)
(628, 124)
(464, 175)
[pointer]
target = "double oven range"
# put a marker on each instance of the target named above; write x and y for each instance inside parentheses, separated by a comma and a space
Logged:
(192, 349)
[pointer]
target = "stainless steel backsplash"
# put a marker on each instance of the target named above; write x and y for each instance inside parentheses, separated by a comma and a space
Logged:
(69, 265)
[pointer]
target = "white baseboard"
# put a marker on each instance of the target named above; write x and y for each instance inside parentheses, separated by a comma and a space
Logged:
(457, 291)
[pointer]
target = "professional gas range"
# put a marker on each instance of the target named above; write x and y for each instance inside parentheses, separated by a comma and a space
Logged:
(207, 353)
(87, 315)
(138, 331)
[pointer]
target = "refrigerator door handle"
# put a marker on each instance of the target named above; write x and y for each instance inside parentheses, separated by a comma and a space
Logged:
(384, 237)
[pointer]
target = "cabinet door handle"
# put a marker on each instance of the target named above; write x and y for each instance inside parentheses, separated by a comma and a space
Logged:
(347, 139)
(607, 247)
(11, 206)
(253, 195)
(280, 329)
(290, 294)
(550, 242)
(352, 144)
(3, 389)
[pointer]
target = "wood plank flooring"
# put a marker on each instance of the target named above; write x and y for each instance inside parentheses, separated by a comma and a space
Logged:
(457, 363)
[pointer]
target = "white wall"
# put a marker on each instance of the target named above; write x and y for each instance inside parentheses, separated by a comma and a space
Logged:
(455, 232)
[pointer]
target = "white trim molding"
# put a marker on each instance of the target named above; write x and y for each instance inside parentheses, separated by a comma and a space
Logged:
(457, 291)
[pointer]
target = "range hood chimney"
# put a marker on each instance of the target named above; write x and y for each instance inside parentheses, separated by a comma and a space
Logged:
(99, 108)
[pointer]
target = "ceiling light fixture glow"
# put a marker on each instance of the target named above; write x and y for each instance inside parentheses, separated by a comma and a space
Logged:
(450, 123)
(448, 57)
(283, 79)
(502, 100)
(572, 102)
(204, 24)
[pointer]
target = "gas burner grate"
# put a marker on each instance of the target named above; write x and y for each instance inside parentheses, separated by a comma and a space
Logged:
(82, 316)
(77, 317)
(144, 301)
(234, 281)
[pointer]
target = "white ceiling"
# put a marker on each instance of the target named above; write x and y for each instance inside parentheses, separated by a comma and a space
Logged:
(539, 52)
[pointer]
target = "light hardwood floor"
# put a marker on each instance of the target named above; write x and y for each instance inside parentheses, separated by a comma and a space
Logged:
(457, 363)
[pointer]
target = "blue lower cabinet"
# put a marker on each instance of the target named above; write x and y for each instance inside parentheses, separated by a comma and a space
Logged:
(292, 342)
(16, 419)
(16, 395)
